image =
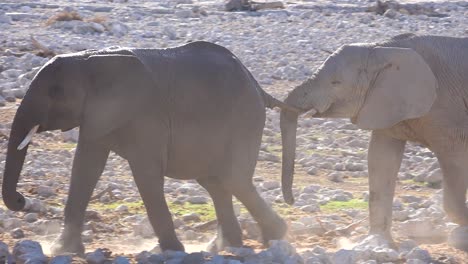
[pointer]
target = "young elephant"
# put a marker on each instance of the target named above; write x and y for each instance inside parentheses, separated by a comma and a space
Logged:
(409, 88)
(190, 112)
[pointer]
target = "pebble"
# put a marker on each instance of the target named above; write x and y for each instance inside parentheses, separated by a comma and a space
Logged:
(28, 251)
(96, 257)
(62, 259)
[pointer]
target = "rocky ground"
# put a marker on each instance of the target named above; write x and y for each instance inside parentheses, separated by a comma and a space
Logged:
(282, 47)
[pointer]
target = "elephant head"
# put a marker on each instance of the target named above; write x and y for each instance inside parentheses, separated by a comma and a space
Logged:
(70, 91)
(375, 86)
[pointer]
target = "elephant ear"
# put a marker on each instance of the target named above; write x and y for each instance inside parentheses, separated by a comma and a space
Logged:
(120, 86)
(403, 87)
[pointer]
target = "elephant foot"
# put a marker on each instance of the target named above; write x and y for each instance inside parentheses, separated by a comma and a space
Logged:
(274, 230)
(63, 246)
(458, 238)
(171, 244)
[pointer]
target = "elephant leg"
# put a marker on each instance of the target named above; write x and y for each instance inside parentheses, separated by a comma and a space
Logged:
(229, 232)
(149, 178)
(272, 226)
(88, 164)
(384, 160)
(455, 183)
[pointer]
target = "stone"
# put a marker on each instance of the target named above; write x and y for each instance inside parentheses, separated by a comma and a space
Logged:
(96, 257)
(193, 258)
(421, 228)
(12, 223)
(418, 253)
(270, 185)
(390, 13)
(311, 208)
(170, 32)
(191, 217)
(5, 256)
(117, 28)
(28, 251)
(121, 208)
(2, 101)
(71, 135)
(183, 13)
(190, 235)
(45, 191)
(458, 238)
(143, 228)
(242, 252)
(17, 233)
(435, 177)
(281, 250)
(121, 260)
(344, 256)
(198, 200)
(335, 177)
(312, 171)
(5, 19)
(62, 259)
(46, 227)
(384, 254)
(311, 189)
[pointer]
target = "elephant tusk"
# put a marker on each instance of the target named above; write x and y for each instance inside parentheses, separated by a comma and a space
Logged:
(28, 137)
(310, 113)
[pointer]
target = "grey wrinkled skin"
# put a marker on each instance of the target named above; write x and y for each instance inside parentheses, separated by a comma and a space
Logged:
(409, 88)
(189, 112)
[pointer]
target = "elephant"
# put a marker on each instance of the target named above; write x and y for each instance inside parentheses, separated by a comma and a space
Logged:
(187, 112)
(406, 88)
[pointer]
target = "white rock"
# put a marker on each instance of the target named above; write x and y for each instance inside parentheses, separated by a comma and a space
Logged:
(28, 251)
(121, 208)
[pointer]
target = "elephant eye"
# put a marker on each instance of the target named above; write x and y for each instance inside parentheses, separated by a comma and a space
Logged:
(56, 91)
(335, 82)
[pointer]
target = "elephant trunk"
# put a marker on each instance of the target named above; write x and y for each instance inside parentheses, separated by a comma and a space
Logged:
(288, 123)
(21, 127)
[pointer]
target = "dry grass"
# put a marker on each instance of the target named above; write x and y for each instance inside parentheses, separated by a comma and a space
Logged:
(63, 16)
(100, 19)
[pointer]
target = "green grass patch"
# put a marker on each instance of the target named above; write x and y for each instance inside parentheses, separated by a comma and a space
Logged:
(338, 205)
(133, 207)
(412, 182)
(206, 211)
